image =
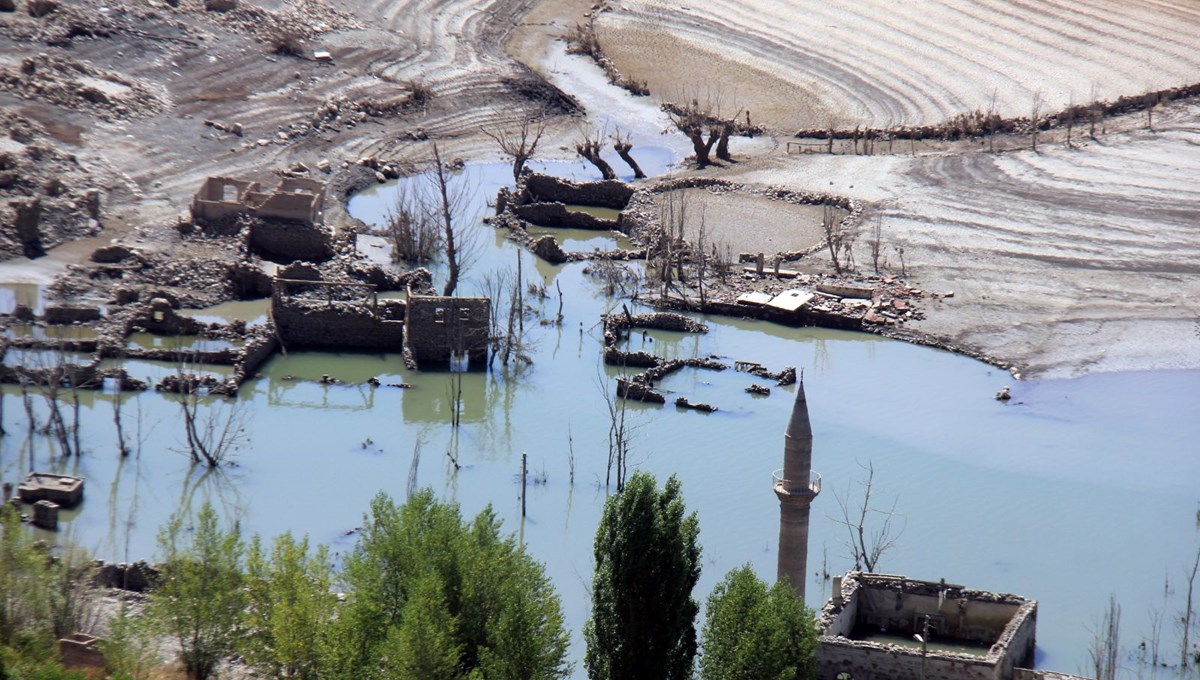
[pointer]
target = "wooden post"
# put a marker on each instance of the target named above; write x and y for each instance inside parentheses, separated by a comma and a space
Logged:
(758, 265)
(524, 475)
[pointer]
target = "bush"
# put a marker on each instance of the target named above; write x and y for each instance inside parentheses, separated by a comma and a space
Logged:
(41, 599)
(199, 600)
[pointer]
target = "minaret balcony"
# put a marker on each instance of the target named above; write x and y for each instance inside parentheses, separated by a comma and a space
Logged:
(795, 486)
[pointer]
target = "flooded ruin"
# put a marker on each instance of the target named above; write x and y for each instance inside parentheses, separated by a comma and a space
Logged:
(1069, 491)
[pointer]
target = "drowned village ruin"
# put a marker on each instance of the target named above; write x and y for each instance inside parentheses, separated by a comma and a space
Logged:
(281, 249)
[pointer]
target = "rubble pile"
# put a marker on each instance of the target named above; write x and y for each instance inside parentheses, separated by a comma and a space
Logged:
(80, 86)
(68, 22)
(43, 189)
(340, 112)
(298, 19)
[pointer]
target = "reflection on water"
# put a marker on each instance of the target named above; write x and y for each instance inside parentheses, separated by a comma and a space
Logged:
(253, 312)
(582, 240)
(33, 332)
(594, 211)
(44, 358)
(28, 294)
(181, 343)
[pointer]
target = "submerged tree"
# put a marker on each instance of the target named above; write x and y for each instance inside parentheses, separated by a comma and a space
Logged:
(647, 562)
(411, 227)
(870, 530)
(751, 631)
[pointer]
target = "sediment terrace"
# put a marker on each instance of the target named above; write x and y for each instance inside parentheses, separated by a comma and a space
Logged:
(810, 64)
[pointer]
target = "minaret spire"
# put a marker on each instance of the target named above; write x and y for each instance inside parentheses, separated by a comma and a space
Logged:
(796, 486)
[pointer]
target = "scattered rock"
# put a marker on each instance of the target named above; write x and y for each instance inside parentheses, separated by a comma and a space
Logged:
(1004, 394)
(762, 390)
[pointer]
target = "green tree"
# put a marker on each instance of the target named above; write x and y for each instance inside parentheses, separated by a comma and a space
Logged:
(643, 623)
(41, 599)
(290, 607)
(752, 633)
(199, 600)
(434, 597)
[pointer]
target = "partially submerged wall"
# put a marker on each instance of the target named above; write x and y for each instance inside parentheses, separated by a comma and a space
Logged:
(540, 188)
(437, 327)
(336, 325)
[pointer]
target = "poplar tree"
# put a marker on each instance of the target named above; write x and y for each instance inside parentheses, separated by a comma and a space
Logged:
(755, 633)
(643, 622)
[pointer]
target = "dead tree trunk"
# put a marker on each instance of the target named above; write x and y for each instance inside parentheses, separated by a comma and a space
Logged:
(590, 149)
(723, 142)
(622, 146)
(439, 175)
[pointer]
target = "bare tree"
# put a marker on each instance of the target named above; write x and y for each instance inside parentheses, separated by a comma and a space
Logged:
(1185, 618)
(413, 230)
(1069, 114)
(704, 127)
(519, 143)
(451, 204)
(622, 144)
(213, 426)
(1106, 639)
(589, 147)
(666, 253)
(837, 238)
(876, 242)
(619, 435)
(1035, 118)
(871, 532)
(992, 120)
(509, 340)
(1093, 111)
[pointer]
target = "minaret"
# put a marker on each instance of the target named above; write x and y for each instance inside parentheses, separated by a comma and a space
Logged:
(796, 487)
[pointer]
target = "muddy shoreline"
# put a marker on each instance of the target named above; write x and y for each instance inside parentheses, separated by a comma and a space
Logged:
(369, 114)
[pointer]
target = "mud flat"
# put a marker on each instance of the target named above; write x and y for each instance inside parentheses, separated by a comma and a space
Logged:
(1062, 262)
(877, 63)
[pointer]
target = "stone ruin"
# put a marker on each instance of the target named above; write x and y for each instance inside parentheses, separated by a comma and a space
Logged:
(296, 199)
(441, 330)
(870, 626)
